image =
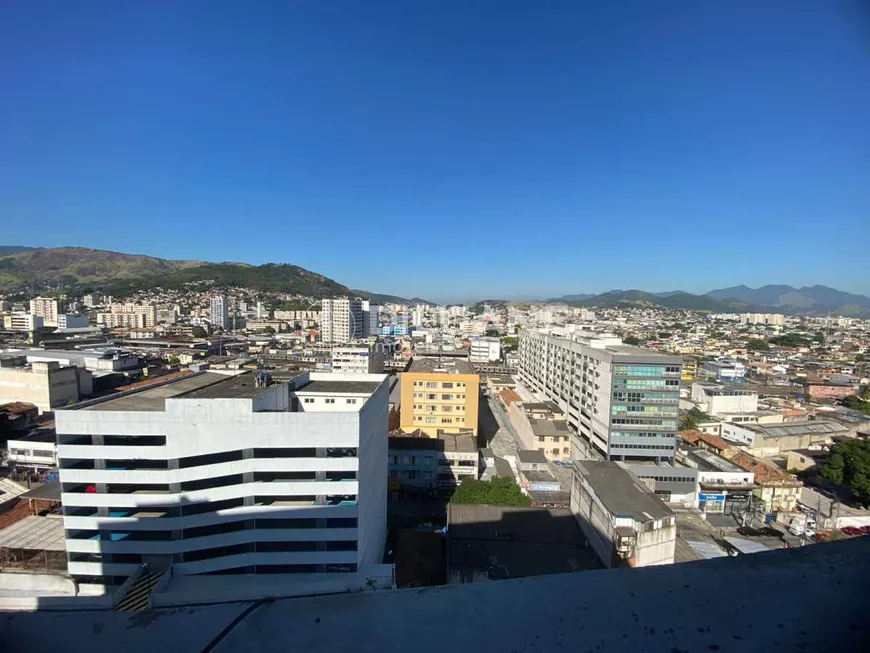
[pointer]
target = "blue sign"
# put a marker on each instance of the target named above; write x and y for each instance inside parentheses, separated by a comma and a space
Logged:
(711, 497)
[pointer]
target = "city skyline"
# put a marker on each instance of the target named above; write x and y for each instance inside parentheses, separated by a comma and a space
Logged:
(536, 151)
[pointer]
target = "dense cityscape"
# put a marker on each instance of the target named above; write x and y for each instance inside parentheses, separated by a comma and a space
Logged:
(177, 446)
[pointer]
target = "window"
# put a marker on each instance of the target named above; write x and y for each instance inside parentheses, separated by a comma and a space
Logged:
(555, 452)
(308, 400)
(447, 384)
(431, 397)
(430, 384)
(447, 397)
(446, 420)
(330, 401)
(446, 409)
(431, 420)
(350, 401)
(565, 450)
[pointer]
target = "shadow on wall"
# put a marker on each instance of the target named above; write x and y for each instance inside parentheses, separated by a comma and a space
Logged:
(490, 542)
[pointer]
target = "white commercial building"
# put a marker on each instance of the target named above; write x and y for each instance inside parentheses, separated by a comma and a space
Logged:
(214, 473)
(485, 350)
(717, 399)
(358, 359)
(622, 401)
(625, 523)
(772, 319)
(46, 385)
(342, 320)
(47, 308)
(219, 311)
(37, 450)
(20, 321)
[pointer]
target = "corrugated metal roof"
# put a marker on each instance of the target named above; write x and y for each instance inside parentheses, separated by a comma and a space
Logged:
(36, 533)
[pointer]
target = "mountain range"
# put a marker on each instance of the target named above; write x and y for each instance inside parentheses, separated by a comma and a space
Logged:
(82, 269)
(808, 300)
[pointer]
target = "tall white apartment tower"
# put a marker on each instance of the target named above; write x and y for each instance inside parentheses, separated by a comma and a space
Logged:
(219, 311)
(342, 320)
(214, 474)
(47, 308)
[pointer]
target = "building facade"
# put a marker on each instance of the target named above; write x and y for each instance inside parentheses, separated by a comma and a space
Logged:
(342, 320)
(47, 308)
(622, 402)
(19, 321)
(46, 385)
(485, 350)
(219, 311)
(358, 359)
(71, 321)
(625, 523)
(439, 395)
(212, 473)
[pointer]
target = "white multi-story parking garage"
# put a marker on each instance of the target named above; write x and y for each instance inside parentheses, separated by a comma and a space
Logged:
(226, 474)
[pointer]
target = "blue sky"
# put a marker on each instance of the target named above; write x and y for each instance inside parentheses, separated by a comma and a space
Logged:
(448, 149)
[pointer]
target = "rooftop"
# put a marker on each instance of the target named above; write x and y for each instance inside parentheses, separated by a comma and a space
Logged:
(440, 365)
(809, 427)
(458, 442)
(36, 533)
(547, 427)
(531, 456)
(153, 398)
(620, 492)
(339, 387)
(653, 609)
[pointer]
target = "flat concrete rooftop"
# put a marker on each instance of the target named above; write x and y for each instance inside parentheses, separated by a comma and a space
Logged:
(621, 493)
(339, 387)
(437, 365)
(806, 599)
(154, 398)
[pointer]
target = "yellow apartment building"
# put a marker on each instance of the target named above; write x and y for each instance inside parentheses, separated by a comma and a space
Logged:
(439, 394)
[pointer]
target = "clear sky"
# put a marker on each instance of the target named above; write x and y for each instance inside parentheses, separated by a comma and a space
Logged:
(450, 149)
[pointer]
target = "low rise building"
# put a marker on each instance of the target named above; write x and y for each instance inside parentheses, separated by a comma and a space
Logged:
(768, 440)
(777, 491)
(358, 359)
(458, 459)
(485, 350)
(543, 428)
(412, 463)
(624, 522)
(724, 371)
(716, 399)
(36, 449)
(47, 385)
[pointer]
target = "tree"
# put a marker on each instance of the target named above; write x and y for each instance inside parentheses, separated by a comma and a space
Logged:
(789, 340)
(492, 333)
(757, 345)
(509, 341)
(855, 403)
(199, 332)
(849, 465)
(498, 492)
(859, 358)
(690, 421)
(631, 340)
(270, 330)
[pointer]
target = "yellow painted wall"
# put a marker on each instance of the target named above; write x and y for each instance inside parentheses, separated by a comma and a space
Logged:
(416, 402)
